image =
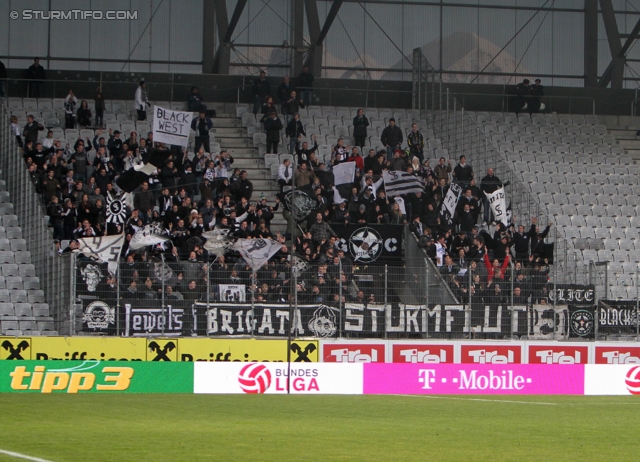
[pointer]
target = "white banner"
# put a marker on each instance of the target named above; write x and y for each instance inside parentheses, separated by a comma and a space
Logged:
(498, 203)
(344, 173)
(105, 249)
(258, 378)
(234, 293)
(171, 127)
(256, 252)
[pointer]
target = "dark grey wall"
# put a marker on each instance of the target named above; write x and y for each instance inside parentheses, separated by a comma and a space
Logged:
(336, 92)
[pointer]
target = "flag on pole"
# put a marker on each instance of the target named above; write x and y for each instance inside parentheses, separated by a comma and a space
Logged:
(104, 249)
(397, 183)
(498, 203)
(256, 252)
(448, 207)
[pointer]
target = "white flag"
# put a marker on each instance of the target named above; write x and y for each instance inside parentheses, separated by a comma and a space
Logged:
(104, 249)
(256, 252)
(151, 234)
(171, 127)
(344, 173)
(448, 208)
(498, 204)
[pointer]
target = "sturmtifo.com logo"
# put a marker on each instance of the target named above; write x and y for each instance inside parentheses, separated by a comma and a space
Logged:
(633, 380)
(254, 378)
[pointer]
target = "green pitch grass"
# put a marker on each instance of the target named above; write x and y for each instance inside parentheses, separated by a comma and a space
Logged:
(319, 428)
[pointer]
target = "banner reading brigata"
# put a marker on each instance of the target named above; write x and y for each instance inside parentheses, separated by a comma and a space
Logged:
(171, 127)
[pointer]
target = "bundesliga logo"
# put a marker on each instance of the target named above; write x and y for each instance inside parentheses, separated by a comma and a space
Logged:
(633, 380)
(254, 378)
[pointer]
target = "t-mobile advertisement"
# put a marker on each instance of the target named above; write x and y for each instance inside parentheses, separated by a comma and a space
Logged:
(473, 379)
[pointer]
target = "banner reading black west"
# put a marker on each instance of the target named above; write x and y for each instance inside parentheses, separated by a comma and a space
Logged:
(370, 244)
(269, 320)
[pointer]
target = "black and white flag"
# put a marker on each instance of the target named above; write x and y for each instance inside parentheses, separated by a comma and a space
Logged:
(397, 183)
(256, 252)
(218, 241)
(148, 235)
(116, 209)
(448, 207)
(104, 249)
(131, 179)
(498, 203)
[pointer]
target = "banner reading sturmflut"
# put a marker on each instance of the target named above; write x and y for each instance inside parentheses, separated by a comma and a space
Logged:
(171, 127)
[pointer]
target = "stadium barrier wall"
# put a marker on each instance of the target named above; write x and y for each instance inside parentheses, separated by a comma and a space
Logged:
(93, 376)
(156, 349)
(478, 352)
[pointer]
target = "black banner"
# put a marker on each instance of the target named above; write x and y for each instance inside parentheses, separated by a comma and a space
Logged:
(617, 317)
(582, 321)
(143, 317)
(92, 279)
(571, 294)
(370, 244)
(98, 316)
(269, 320)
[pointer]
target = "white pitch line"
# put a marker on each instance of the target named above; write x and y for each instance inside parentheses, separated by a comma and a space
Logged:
(22, 456)
(479, 399)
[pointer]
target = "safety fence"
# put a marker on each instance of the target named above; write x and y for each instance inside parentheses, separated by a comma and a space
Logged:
(52, 271)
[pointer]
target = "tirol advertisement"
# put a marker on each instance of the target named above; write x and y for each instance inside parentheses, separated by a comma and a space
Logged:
(95, 377)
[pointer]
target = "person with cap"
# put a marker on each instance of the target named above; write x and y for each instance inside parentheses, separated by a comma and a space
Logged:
(201, 125)
(141, 100)
(391, 138)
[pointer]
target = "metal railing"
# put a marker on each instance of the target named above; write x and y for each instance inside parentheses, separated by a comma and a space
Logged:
(178, 90)
(49, 267)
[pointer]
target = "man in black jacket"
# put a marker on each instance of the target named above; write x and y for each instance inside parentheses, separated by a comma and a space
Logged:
(30, 131)
(415, 140)
(304, 152)
(294, 131)
(3, 78)
(284, 91)
(489, 184)
(391, 138)
(36, 75)
(305, 85)
(261, 89)
(201, 125)
(360, 124)
(273, 125)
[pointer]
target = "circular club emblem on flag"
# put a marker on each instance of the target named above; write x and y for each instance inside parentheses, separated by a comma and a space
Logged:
(633, 380)
(254, 378)
(116, 212)
(582, 322)
(365, 244)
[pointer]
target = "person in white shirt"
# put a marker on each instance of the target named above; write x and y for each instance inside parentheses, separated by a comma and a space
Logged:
(47, 143)
(285, 174)
(70, 110)
(141, 100)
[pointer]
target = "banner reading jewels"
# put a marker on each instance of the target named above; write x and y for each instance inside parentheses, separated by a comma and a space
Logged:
(174, 318)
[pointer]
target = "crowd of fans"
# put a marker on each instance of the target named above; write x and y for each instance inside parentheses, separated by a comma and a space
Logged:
(191, 195)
